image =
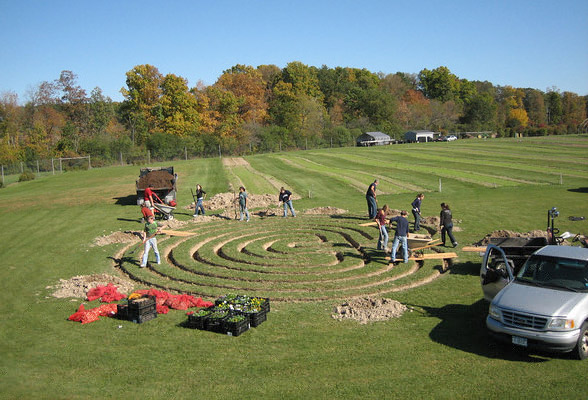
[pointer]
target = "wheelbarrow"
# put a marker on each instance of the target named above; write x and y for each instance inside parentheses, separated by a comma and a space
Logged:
(164, 210)
(417, 242)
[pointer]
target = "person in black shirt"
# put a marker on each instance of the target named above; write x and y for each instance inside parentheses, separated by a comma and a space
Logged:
(400, 235)
(284, 197)
(446, 224)
(370, 196)
(200, 194)
(416, 211)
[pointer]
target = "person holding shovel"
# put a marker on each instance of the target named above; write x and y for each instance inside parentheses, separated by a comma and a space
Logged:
(243, 203)
(416, 211)
(200, 195)
(149, 240)
(284, 197)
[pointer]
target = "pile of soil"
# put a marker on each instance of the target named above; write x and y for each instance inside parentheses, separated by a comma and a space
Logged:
(159, 180)
(325, 211)
(510, 234)
(225, 201)
(117, 237)
(367, 309)
(78, 286)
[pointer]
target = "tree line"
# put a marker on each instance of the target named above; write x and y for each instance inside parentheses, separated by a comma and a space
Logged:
(268, 108)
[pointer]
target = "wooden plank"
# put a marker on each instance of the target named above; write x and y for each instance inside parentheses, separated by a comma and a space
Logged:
(177, 233)
(474, 249)
(429, 256)
(374, 223)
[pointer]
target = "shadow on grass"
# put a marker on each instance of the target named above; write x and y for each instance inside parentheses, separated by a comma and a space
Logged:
(130, 200)
(579, 190)
(463, 327)
(467, 268)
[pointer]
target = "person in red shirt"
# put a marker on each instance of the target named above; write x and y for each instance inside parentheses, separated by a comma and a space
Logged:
(148, 196)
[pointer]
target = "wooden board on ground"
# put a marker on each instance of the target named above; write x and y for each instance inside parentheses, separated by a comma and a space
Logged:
(429, 256)
(373, 223)
(474, 249)
(177, 233)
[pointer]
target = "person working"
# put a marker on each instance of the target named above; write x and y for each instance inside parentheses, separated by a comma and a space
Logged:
(370, 196)
(416, 211)
(284, 197)
(381, 221)
(200, 195)
(400, 236)
(243, 203)
(149, 240)
(148, 196)
(446, 224)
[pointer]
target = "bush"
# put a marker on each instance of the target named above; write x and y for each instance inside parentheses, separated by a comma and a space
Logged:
(26, 176)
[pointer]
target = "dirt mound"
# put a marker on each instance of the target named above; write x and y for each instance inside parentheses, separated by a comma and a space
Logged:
(78, 286)
(508, 234)
(228, 200)
(172, 224)
(325, 210)
(367, 309)
(159, 180)
(117, 237)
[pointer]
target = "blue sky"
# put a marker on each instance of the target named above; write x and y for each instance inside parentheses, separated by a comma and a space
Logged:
(538, 44)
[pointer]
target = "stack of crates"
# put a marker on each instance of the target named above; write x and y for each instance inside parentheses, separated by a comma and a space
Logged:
(138, 310)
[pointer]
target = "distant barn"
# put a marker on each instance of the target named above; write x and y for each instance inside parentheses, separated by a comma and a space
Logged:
(419, 136)
(373, 139)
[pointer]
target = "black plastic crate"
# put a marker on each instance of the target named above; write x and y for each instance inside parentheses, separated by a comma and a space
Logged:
(197, 321)
(142, 305)
(139, 319)
(256, 318)
(122, 311)
(236, 328)
(265, 306)
(215, 324)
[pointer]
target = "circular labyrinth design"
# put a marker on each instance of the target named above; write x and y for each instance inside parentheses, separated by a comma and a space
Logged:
(306, 258)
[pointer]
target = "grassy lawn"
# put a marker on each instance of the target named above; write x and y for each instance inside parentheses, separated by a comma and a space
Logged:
(440, 349)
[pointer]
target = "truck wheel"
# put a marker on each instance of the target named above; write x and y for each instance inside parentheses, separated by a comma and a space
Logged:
(581, 348)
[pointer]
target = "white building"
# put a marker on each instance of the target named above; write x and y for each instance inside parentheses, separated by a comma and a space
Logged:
(419, 136)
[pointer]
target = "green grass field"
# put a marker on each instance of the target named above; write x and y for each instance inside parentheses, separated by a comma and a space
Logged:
(307, 265)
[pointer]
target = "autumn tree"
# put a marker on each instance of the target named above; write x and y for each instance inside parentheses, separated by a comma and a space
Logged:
(534, 102)
(142, 97)
(178, 108)
(439, 84)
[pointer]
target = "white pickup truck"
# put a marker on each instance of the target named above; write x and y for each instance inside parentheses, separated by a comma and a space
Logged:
(545, 306)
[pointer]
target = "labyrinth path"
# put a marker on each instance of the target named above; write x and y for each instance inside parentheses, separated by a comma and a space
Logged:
(286, 259)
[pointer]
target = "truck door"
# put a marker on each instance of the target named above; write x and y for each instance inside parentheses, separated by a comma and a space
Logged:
(496, 271)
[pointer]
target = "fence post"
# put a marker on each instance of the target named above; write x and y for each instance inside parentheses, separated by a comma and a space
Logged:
(219, 151)
(60, 166)
(89, 163)
(21, 167)
(52, 166)
(148, 156)
(186, 153)
(2, 175)
(121, 162)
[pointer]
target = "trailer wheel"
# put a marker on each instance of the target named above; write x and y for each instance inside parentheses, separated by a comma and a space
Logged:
(581, 349)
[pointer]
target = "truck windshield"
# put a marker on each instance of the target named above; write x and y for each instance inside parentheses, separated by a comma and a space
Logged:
(555, 272)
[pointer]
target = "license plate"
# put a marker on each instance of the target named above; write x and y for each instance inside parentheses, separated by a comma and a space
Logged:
(520, 341)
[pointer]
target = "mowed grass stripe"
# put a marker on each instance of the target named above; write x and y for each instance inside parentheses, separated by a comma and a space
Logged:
(301, 181)
(490, 170)
(381, 161)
